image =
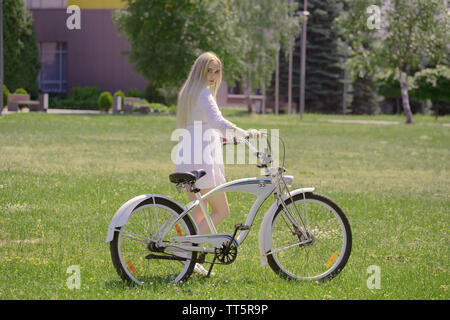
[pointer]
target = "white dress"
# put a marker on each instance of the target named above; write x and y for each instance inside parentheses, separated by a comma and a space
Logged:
(203, 148)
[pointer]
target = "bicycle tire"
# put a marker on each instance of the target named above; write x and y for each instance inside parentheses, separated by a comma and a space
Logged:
(128, 270)
(333, 260)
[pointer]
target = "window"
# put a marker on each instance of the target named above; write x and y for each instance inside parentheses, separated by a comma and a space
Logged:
(53, 75)
(47, 4)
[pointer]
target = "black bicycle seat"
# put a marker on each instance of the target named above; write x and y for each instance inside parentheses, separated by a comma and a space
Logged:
(186, 177)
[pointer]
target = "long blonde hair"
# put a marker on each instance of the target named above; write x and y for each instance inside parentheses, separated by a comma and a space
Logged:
(196, 81)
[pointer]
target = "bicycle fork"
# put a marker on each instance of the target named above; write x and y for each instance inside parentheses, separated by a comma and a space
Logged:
(302, 233)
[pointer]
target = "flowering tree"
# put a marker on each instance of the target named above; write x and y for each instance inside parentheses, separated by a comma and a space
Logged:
(407, 33)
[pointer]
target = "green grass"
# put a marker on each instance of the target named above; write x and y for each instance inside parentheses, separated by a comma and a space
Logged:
(62, 177)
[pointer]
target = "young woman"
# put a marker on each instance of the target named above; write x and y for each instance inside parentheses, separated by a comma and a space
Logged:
(197, 107)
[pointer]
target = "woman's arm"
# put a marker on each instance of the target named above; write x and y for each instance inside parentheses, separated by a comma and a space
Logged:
(212, 112)
(215, 118)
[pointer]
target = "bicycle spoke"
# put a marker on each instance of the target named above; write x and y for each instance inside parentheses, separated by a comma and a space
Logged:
(312, 253)
(134, 237)
(133, 253)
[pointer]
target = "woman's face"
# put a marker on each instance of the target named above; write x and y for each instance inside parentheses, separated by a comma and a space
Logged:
(212, 73)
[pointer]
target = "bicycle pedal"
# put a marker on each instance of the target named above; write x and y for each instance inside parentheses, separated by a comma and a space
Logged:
(241, 227)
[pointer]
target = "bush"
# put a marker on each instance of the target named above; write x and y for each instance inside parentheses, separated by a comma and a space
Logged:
(158, 107)
(105, 101)
(153, 94)
(173, 109)
(135, 93)
(84, 98)
(85, 93)
(22, 91)
(5, 95)
(120, 93)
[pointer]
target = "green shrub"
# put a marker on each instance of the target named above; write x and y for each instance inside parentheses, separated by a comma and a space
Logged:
(5, 95)
(153, 94)
(120, 93)
(85, 93)
(105, 101)
(173, 109)
(135, 93)
(22, 91)
(158, 107)
(84, 98)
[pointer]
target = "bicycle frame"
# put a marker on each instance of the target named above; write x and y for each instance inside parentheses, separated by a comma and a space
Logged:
(263, 187)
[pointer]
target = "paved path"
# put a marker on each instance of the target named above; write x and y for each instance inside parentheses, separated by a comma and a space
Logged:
(72, 111)
(59, 111)
(383, 123)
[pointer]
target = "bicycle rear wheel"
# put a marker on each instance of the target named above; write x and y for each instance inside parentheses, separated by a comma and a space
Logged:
(313, 242)
(130, 252)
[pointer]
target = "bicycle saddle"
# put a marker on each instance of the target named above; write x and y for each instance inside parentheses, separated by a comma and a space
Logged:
(184, 177)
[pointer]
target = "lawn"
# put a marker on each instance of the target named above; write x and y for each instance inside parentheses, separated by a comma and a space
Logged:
(62, 177)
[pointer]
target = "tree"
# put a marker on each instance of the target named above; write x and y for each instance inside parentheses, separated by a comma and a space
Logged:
(408, 32)
(388, 86)
(364, 96)
(262, 27)
(324, 61)
(21, 56)
(166, 36)
(433, 84)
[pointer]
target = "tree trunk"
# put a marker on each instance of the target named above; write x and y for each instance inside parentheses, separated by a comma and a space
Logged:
(247, 93)
(405, 97)
(263, 107)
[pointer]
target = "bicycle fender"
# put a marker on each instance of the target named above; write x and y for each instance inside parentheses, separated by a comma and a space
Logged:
(265, 231)
(121, 216)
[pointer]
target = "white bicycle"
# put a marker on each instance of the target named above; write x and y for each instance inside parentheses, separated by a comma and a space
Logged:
(303, 235)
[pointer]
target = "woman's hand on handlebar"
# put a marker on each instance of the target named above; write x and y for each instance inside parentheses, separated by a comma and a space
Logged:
(253, 133)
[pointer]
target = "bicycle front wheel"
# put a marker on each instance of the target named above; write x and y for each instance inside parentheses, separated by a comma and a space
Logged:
(131, 251)
(312, 241)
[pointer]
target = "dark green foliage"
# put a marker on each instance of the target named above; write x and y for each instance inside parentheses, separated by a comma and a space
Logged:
(21, 56)
(135, 93)
(152, 94)
(434, 84)
(324, 68)
(388, 86)
(364, 96)
(84, 98)
(324, 63)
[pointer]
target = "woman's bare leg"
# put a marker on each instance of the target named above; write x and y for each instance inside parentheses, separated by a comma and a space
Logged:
(219, 207)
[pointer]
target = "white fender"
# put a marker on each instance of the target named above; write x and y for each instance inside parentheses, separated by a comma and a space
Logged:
(121, 216)
(265, 231)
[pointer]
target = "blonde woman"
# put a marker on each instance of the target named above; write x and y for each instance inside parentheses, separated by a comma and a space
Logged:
(197, 107)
